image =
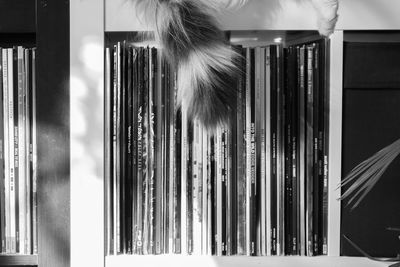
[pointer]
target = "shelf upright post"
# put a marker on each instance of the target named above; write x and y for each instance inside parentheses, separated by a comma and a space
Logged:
(87, 128)
(335, 140)
(53, 136)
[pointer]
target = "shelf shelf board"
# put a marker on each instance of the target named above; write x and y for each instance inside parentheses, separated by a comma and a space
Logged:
(237, 261)
(18, 260)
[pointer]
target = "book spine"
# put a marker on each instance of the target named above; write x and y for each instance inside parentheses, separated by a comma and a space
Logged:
(218, 192)
(233, 178)
(27, 89)
(134, 145)
(171, 153)
(241, 161)
(165, 122)
(122, 147)
(257, 146)
(280, 153)
(248, 151)
(274, 160)
(126, 152)
(2, 164)
(159, 152)
(165, 152)
(112, 148)
(184, 182)
(321, 144)
(214, 196)
(115, 150)
(262, 154)
(120, 178)
(287, 153)
(129, 208)
(223, 173)
(253, 166)
(229, 181)
(268, 160)
(302, 142)
(164, 91)
(15, 100)
(21, 151)
(189, 188)
(34, 158)
(141, 113)
(309, 151)
(316, 164)
(178, 177)
(145, 155)
(325, 83)
(152, 142)
(294, 152)
(210, 197)
(197, 188)
(140, 147)
(11, 142)
(107, 150)
(29, 120)
(205, 194)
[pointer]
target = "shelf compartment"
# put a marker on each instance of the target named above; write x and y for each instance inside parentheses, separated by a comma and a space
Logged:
(17, 16)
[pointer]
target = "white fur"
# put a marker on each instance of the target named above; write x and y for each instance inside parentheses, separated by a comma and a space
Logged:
(204, 68)
(198, 69)
(326, 15)
(326, 10)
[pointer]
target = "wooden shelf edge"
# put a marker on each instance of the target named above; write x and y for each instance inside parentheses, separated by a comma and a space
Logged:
(18, 260)
(237, 261)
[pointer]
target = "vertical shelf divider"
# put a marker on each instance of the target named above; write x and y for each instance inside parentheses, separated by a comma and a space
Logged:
(335, 141)
(87, 127)
(53, 138)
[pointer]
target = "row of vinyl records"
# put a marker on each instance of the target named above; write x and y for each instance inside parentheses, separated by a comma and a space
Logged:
(18, 199)
(255, 187)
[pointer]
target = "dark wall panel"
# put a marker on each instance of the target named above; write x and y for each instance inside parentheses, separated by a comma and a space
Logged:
(17, 16)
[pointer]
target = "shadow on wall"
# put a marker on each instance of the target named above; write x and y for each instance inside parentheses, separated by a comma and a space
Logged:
(87, 114)
(87, 152)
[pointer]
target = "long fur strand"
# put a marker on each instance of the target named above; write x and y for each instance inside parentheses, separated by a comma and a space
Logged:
(193, 42)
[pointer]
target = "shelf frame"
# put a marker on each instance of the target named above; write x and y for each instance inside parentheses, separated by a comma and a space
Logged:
(19, 260)
(335, 141)
(86, 128)
(53, 141)
(238, 261)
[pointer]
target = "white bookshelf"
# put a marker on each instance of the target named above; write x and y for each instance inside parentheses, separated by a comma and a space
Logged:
(239, 261)
(87, 44)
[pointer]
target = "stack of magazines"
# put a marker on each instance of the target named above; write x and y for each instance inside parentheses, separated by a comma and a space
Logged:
(256, 186)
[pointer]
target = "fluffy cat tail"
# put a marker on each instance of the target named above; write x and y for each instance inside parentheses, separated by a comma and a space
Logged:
(206, 64)
(326, 15)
